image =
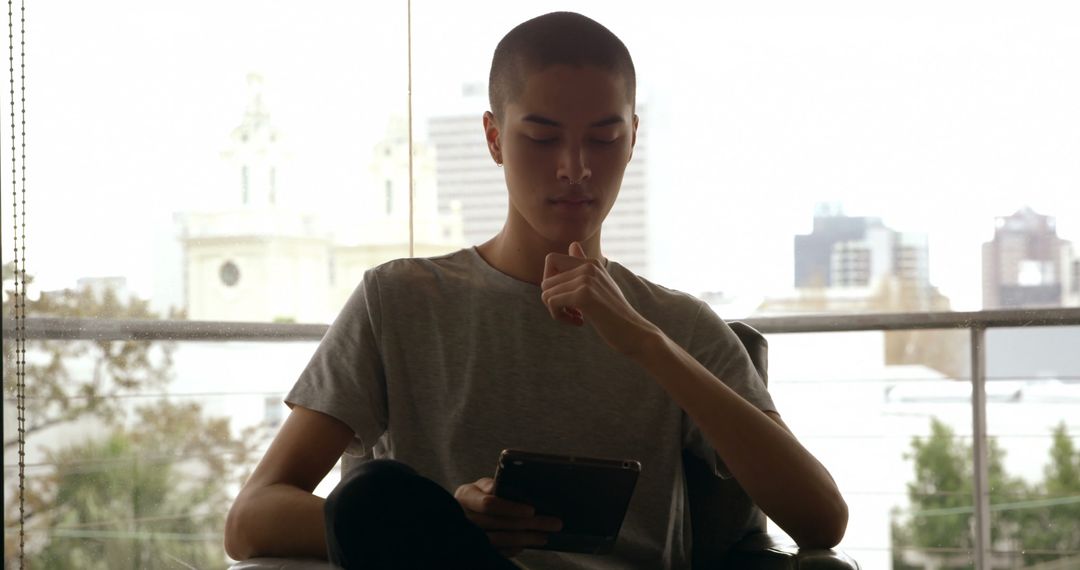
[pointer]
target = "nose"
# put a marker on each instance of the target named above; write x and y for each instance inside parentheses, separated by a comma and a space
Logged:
(574, 164)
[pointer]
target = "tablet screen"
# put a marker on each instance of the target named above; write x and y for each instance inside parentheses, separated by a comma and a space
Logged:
(589, 495)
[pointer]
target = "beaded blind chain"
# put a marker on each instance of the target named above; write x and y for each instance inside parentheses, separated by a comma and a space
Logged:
(18, 213)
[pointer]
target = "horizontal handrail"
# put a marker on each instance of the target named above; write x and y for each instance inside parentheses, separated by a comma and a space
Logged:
(62, 328)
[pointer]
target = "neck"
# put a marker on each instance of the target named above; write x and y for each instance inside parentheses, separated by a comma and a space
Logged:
(523, 257)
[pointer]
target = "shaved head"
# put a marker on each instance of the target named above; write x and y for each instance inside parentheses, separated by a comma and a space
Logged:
(558, 38)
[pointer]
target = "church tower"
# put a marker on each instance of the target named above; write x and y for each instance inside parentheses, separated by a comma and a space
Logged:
(255, 151)
(379, 232)
(250, 259)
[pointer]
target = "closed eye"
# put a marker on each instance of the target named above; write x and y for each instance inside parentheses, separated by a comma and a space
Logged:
(542, 140)
(605, 141)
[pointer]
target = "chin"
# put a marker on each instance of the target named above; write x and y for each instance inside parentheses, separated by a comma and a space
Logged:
(565, 238)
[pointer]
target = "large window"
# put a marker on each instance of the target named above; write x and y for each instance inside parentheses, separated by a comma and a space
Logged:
(247, 161)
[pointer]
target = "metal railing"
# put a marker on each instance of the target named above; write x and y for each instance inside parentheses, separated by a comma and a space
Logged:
(977, 322)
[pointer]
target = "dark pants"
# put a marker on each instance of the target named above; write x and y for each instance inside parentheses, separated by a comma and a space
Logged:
(385, 515)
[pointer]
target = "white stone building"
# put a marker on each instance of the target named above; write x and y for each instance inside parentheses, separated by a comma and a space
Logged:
(256, 260)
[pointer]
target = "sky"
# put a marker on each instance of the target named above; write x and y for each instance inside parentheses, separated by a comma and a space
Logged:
(935, 116)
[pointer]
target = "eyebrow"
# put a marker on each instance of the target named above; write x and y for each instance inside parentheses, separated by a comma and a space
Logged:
(540, 120)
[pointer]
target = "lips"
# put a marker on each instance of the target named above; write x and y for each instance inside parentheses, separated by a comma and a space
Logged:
(571, 200)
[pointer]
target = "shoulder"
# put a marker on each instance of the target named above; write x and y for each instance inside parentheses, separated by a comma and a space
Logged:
(417, 271)
(407, 285)
(670, 309)
(647, 291)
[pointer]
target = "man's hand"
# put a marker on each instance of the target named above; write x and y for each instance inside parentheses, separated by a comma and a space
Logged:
(577, 288)
(510, 526)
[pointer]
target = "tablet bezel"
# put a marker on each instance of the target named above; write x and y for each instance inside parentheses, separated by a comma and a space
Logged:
(608, 484)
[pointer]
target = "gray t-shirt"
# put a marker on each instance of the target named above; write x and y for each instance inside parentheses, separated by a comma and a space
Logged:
(443, 362)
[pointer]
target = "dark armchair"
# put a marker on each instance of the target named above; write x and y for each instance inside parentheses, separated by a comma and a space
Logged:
(729, 530)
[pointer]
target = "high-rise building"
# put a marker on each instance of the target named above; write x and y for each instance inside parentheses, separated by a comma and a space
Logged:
(1027, 264)
(465, 173)
(859, 265)
(858, 252)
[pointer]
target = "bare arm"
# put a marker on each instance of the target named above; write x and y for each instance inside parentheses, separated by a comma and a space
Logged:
(782, 477)
(275, 513)
(778, 473)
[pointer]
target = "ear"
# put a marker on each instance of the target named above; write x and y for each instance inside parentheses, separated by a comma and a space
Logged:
(633, 136)
(491, 133)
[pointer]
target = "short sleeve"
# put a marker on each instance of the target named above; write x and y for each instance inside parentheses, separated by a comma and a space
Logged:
(718, 349)
(345, 378)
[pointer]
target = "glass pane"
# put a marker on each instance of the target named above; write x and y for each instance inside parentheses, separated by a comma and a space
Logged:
(795, 158)
(897, 439)
(225, 168)
(121, 475)
(810, 158)
(205, 161)
(1033, 407)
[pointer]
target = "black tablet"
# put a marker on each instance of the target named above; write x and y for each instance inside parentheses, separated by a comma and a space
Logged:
(589, 495)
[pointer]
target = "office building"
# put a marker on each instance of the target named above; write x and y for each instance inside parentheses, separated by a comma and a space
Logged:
(1026, 264)
(845, 252)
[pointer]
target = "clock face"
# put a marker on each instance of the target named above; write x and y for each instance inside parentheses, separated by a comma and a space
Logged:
(229, 274)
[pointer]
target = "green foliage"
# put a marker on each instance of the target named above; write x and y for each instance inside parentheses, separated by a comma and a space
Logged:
(1055, 526)
(67, 380)
(150, 486)
(147, 497)
(942, 486)
(1030, 518)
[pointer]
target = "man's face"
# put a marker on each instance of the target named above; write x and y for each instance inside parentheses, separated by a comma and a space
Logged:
(564, 145)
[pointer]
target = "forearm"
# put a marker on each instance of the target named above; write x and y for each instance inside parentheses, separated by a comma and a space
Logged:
(778, 473)
(276, 520)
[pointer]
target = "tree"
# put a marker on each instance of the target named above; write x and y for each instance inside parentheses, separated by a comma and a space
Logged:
(67, 380)
(148, 497)
(1055, 525)
(939, 530)
(148, 490)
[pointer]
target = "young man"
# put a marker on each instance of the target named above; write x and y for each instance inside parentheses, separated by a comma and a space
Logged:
(534, 341)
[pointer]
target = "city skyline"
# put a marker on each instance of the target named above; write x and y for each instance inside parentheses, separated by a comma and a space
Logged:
(936, 136)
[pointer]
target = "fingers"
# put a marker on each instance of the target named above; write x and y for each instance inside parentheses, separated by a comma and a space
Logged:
(565, 295)
(496, 513)
(562, 307)
(474, 498)
(576, 250)
(510, 526)
(567, 271)
(556, 263)
(551, 266)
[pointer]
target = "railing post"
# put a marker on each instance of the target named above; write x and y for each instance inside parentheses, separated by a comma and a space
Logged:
(980, 447)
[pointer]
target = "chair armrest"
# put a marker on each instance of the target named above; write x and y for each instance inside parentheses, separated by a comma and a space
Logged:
(761, 551)
(268, 563)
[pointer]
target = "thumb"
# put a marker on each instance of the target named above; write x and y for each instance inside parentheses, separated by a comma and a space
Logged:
(576, 250)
